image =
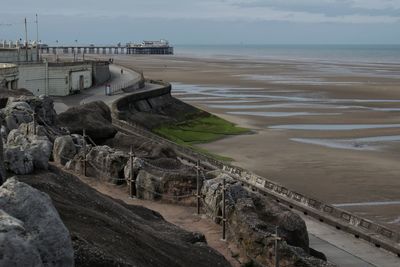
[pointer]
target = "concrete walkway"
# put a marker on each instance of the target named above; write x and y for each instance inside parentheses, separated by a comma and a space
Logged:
(344, 249)
(61, 104)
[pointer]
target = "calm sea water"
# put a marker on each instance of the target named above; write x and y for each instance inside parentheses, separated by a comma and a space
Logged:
(331, 53)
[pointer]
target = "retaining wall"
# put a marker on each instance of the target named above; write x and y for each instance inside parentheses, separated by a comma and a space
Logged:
(374, 233)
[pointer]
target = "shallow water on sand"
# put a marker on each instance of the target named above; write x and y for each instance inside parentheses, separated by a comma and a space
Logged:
(365, 143)
(281, 114)
(333, 127)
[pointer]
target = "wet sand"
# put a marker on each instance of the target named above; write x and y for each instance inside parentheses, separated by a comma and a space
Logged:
(352, 158)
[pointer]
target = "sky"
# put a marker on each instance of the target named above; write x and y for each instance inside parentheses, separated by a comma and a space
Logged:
(205, 22)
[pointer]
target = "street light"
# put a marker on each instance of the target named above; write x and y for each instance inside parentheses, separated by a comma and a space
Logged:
(76, 51)
(57, 51)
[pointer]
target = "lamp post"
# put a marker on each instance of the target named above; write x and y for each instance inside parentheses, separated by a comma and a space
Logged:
(76, 51)
(57, 51)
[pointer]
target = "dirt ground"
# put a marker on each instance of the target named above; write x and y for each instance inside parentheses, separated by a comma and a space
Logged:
(183, 216)
(338, 166)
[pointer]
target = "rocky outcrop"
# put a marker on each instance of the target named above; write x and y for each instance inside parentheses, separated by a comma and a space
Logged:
(107, 163)
(102, 162)
(16, 113)
(143, 147)
(5, 94)
(64, 149)
(37, 230)
(252, 220)
(177, 183)
(22, 109)
(17, 160)
(16, 247)
(36, 145)
(43, 106)
(2, 167)
(107, 232)
(94, 117)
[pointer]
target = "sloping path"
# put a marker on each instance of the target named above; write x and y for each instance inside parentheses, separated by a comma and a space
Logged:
(96, 93)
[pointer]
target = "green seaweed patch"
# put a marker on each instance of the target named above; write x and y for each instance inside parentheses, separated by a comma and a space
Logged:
(200, 130)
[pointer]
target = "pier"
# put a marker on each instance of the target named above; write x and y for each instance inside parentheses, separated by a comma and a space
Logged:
(112, 49)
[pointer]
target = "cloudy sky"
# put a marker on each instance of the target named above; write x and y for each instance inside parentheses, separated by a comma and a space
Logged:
(207, 21)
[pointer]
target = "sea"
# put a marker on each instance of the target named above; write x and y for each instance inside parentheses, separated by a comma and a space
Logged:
(387, 54)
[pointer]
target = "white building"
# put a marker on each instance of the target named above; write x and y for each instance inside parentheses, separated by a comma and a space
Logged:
(55, 79)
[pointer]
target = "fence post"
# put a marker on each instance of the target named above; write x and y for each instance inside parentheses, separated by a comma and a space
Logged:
(277, 239)
(223, 211)
(34, 122)
(132, 183)
(84, 152)
(198, 186)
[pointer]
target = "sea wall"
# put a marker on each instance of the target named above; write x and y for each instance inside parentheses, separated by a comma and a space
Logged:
(141, 100)
(378, 235)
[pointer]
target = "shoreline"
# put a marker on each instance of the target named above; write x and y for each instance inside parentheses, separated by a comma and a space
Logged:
(335, 176)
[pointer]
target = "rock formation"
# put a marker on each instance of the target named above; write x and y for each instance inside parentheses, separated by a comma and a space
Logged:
(143, 147)
(16, 247)
(166, 179)
(94, 117)
(64, 149)
(37, 229)
(37, 146)
(2, 167)
(252, 221)
(16, 113)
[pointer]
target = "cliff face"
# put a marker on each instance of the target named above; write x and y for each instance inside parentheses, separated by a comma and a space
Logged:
(107, 232)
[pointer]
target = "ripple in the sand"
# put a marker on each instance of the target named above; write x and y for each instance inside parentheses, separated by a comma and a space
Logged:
(334, 127)
(281, 114)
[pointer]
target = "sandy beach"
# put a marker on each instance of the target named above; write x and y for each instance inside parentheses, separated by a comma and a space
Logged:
(328, 130)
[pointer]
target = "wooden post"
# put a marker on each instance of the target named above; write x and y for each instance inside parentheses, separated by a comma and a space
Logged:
(276, 247)
(132, 184)
(34, 122)
(84, 152)
(223, 211)
(198, 186)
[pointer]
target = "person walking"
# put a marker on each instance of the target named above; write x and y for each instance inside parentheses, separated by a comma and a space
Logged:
(122, 71)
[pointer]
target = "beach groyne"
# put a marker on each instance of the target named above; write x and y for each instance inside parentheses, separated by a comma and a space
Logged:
(378, 235)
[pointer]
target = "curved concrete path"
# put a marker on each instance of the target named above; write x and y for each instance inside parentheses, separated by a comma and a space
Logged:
(97, 93)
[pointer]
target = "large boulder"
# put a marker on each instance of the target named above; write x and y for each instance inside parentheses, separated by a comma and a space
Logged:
(42, 105)
(16, 113)
(37, 145)
(173, 183)
(94, 117)
(16, 247)
(41, 223)
(17, 160)
(102, 162)
(2, 167)
(64, 149)
(253, 220)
